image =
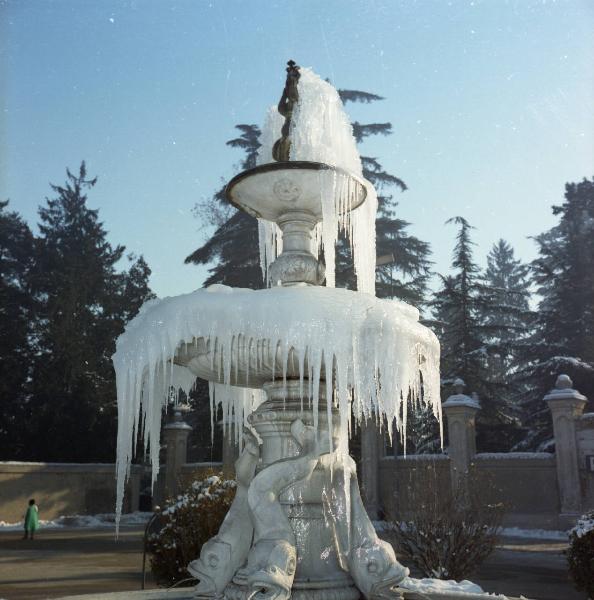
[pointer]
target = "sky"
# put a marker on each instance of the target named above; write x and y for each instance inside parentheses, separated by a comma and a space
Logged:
(491, 102)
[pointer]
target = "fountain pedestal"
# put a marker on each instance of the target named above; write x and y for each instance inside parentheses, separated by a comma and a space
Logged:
(299, 498)
(307, 503)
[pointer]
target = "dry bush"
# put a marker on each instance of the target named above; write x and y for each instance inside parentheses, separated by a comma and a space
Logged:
(446, 535)
(189, 521)
(580, 554)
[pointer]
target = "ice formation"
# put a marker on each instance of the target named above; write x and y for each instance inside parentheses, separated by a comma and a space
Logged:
(374, 350)
(374, 354)
(321, 132)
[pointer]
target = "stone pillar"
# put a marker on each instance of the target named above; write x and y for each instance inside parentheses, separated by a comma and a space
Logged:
(176, 439)
(566, 405)
(460, 411)
(370, 456)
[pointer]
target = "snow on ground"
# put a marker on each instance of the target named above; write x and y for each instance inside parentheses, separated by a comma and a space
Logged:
(106, 520)
(441, 586)
(535, 534)
(532, 534)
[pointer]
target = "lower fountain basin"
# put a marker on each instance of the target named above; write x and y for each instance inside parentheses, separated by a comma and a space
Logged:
(311, 318)
(188, 594)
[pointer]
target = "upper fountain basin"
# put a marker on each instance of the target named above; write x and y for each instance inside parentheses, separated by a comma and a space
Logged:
(271, 190)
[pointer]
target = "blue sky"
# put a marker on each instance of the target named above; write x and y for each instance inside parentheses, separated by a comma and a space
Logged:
(491, 104)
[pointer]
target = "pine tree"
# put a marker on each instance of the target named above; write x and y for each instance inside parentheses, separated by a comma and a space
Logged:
(456, 308)
(506, 289)
(464, 320)
(563, 341)
(16, 335)
(83, 304)
(232, 251)
(507, 283)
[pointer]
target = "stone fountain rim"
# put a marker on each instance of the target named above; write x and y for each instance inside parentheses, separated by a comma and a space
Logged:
(288, 166)
(185, 593)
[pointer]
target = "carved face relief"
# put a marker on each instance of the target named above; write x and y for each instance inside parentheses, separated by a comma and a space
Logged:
(286, 190)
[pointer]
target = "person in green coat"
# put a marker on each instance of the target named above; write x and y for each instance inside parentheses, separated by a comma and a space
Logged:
(31, 519)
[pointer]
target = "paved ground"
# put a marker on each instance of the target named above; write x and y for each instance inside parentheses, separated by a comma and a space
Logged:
(534, 568)
(68, 562)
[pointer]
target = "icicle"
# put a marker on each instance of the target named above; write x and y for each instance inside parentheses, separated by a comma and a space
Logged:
(362, 238)
(270, 241)
(328, 182)
(271, 131)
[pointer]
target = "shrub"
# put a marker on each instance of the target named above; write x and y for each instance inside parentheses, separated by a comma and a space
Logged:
(188, 521)
(580, 554)
(446, 536)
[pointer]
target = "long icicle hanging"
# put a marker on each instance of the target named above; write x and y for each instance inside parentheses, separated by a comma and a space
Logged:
(378, 348)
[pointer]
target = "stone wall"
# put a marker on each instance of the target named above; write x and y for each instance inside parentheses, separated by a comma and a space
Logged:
(526, 482)
(539, 490)
(404, 482)
(62, 489)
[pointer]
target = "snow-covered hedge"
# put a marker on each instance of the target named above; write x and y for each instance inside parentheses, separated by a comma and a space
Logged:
(187, 522)
(581, 553)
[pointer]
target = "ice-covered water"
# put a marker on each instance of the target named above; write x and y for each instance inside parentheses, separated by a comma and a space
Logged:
(321, 132)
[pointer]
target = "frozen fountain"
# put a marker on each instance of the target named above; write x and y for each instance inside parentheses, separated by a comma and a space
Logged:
(292, 366)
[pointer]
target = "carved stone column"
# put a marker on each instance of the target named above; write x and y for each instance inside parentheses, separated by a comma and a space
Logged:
(176, 439)
(319, 574)
(460, 411)
(566, 406)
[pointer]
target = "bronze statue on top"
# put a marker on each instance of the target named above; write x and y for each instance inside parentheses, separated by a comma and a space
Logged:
(282, 146)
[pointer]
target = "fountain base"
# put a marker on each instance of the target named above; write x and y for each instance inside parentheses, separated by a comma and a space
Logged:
(297, 527)
(189, 594)
(238, 591)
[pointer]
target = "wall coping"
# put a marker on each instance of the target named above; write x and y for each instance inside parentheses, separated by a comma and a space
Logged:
(515, 460)
(198, 465)
(417, 457)
(515, 455)
(40, 467)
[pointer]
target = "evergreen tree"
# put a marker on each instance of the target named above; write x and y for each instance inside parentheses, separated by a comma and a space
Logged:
(506, 288)
(563, 340)
(83, 304)
(16, 335)
(464, 320)
(232, 251)
(457, 308)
